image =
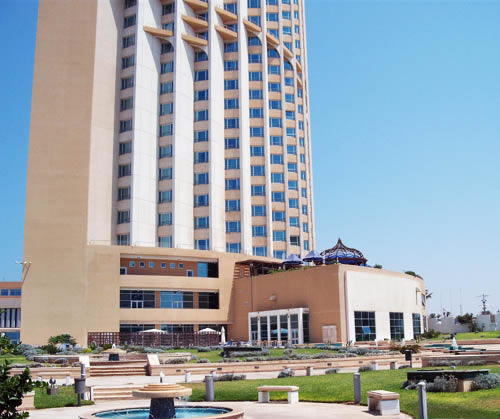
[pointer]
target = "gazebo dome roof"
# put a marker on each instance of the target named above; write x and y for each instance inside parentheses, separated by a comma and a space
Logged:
(344, 254)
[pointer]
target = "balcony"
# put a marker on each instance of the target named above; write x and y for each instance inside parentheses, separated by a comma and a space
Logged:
(161, 34)
(298, 66)
(197, 5)
(226, 16)
(194, 41)
(196, 22)
(272, 40)
(287, 52)
(226, 33)
(252, 27)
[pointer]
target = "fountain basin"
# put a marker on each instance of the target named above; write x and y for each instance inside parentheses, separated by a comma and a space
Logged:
(206, 412)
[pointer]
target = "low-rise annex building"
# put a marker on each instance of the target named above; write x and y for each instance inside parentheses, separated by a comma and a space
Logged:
(10, 309)
(332, 303)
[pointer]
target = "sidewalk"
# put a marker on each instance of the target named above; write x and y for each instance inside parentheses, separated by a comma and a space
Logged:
(252, 410)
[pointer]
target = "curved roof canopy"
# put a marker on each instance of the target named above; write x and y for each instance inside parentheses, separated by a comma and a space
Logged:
(343, 254)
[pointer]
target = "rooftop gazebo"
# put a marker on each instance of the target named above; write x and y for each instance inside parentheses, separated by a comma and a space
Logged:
(340, 253)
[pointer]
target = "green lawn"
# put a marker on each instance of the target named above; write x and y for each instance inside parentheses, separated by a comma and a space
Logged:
(66, 397)
(15, 359)
(214, 356)
(470, 335)
(339, 388)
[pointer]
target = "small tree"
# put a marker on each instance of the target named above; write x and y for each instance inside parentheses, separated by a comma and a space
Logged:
(377, 266)
(12, 390)
(64, 338)
(410, 273)
(6, 346)
(465, 319)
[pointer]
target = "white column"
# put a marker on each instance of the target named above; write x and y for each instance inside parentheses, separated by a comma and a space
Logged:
(269, 328)
(245, 178)
(182, 197)
(145, 127)
(216, 134)
(289, 327)
(307, 127)
(301, 326)
(267, 146)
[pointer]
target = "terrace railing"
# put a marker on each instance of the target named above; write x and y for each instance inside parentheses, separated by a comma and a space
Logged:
(153, 339)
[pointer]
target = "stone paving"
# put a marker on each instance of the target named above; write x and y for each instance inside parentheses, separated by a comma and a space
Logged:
(252, 410)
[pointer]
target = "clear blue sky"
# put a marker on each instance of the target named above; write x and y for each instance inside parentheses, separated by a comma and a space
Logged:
(405, 105)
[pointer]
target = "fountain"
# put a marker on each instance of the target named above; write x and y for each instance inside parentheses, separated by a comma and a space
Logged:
(162, 406)
(162, 398)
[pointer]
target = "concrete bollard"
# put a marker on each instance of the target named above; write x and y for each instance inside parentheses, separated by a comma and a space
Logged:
(374, 366)
(209, 388)
(394, 365)
(187, 377)
(309, 371)
(82, 370)
(422, 400)
(357, 387)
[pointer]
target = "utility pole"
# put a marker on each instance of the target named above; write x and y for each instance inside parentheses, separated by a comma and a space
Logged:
(483, 301)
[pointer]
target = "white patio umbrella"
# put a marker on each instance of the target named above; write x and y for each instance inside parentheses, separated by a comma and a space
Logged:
(207, 330)
(223, 336)
(153, 331)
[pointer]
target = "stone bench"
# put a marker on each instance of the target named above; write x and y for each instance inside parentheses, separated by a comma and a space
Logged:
(383, 402)
(293, 393)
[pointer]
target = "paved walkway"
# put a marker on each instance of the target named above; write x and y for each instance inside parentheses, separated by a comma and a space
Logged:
(252, 410)
(116, 380)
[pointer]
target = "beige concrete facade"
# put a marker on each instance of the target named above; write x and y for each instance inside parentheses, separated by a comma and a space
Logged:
(332, 294)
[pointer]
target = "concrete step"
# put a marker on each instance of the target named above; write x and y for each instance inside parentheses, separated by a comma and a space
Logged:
(118, 388)
(102, 394)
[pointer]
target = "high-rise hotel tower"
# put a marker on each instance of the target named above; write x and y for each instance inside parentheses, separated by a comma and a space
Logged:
(172, 125)
(212, 144)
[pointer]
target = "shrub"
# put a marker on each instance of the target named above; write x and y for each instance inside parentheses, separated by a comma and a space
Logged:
(6, 346)
(443, 385)
(414, 348)
(203, 361)
(204, 349)
(150, 350)
(288, 351)
(287, 372)
(430, 334)
(445, 363)
(321, 355)
(50, 348)
(476, 362)
(87, 350)
(245, 354)
(62, 361)
(64, 338)
(364, 368)
(409, 385)
(332, 371)
(402, 367)
(230, 377)
(176, 361)
(486, 381)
